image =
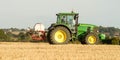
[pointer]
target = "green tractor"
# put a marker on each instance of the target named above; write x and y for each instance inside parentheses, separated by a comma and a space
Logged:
(68, 29)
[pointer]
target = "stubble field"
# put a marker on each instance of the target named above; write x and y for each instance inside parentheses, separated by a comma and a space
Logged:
(45, 51)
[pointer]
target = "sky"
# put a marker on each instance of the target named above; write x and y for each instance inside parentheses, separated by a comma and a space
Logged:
(26, 13)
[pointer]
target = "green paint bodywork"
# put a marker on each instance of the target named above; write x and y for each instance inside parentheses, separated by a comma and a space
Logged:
(81, 28)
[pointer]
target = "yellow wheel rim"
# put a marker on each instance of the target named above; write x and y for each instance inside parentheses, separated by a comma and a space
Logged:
(92, 39)
(60, 36)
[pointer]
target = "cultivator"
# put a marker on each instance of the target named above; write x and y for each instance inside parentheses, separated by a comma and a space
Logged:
(38, 32)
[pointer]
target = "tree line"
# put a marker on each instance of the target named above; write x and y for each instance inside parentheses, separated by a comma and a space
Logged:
(14, 35)
(111, 31)
(21, 35)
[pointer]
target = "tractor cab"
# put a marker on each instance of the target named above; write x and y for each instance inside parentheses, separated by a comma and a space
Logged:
(68, 19)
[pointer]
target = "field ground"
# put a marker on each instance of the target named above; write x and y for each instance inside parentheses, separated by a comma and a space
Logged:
(45, 51)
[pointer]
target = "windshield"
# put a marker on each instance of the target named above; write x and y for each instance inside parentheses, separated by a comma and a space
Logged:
(70, 19)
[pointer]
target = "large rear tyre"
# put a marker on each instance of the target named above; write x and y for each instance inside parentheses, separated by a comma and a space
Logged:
(91, 39)
(58, 35)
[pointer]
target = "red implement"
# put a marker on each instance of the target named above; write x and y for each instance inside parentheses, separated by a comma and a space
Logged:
(38, 36)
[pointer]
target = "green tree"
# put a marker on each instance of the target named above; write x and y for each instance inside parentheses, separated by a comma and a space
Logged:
(3, 36)
(116, 40)
(21, 36)
(24, 36)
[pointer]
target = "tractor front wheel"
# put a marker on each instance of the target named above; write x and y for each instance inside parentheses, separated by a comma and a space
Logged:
(59, 35)
(92, 38)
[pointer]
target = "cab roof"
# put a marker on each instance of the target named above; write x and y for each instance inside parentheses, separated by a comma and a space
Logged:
(72, 13)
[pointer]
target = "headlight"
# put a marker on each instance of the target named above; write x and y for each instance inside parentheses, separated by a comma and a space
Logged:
(96, 29)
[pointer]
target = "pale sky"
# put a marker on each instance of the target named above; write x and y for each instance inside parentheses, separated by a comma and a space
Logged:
(25, 13)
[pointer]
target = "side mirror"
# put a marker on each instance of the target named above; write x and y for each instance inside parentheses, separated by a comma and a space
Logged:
(57, 14)
(75, 17)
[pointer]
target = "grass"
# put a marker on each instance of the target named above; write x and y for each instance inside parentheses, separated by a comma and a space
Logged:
(44, 51)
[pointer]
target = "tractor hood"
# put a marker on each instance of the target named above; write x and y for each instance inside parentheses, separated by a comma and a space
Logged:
(87, 25)
(84, 27)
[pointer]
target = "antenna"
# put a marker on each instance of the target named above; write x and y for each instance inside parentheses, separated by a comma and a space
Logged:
(72, 11)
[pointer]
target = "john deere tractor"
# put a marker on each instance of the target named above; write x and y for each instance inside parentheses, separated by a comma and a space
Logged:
(68, 29)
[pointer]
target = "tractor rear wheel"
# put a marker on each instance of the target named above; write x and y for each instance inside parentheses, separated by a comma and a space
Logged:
(59, 35)
(92, 38)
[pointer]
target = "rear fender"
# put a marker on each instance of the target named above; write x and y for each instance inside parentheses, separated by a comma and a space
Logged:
(51, 27)
(65, 27)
